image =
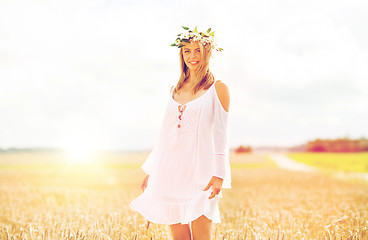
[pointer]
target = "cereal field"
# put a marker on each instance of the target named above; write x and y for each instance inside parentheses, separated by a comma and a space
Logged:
(43, 196)
(348, 162)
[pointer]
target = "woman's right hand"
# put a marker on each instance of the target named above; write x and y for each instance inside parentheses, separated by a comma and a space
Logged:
(144, 183)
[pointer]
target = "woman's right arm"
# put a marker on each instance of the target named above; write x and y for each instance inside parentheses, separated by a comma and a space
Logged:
(147, 166)
(144, 183)
(149, 162)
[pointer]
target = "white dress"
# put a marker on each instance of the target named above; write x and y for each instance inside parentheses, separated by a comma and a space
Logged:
(192, 147)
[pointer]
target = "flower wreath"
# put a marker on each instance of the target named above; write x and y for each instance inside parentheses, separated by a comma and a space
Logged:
(202, 37)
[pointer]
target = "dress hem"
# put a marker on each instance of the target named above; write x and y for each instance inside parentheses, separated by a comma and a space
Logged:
(178, 222)
(186, 213)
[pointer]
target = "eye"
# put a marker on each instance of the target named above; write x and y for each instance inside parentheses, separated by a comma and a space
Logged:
(186, 51)
(198, 50)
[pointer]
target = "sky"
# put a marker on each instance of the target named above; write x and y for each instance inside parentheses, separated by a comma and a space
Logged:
(97, 74)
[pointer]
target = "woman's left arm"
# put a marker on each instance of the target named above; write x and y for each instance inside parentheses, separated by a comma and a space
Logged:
(220, 134)
(223, 95)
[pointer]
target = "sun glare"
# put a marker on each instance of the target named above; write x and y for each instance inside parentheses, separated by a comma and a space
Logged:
(79, 152)
(79, 146)
(79, 155)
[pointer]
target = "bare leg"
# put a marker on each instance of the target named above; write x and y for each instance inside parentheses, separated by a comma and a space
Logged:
(201, 228)
(180, 231)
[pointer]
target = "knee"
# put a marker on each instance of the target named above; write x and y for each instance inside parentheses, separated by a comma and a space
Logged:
(182, 238)
(180, 232)
(201, 228)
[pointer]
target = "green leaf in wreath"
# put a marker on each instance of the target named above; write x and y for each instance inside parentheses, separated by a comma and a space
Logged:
(195, 30)
(212, 33)
(185, 40)
(186, 28)
(173, 45)
(209, 30)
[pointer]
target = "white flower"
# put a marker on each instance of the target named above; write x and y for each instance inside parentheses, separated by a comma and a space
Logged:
(197, 37)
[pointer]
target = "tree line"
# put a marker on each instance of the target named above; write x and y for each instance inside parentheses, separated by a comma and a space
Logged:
(338, 145)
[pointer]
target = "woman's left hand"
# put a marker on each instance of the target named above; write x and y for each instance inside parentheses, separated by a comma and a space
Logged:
(216, 184)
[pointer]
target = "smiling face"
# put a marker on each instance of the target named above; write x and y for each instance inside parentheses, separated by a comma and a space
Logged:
(192, 55)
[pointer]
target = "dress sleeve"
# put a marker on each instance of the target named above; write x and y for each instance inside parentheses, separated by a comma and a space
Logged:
(220, 137)
(148, 163)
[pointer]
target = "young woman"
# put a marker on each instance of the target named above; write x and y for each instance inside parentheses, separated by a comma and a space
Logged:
(189, 166)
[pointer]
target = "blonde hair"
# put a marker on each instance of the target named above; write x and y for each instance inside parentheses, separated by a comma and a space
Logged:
(204, 77)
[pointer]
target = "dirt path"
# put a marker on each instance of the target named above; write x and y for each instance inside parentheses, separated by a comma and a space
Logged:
(287, 163)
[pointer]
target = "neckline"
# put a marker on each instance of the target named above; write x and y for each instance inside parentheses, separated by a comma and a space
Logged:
(194, 98)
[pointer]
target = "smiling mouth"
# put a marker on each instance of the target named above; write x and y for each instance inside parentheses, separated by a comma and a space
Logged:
(194, 63)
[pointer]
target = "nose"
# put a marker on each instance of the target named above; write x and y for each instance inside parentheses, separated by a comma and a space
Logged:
(192, 55)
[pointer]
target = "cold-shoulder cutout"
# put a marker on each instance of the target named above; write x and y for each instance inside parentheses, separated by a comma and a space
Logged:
(171, 90)
(223, 94)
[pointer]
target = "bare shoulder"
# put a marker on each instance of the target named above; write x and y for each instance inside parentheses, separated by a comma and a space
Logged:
(172, 89)
(223, 94)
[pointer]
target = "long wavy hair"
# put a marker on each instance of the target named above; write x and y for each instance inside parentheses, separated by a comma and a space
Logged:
(204, 77)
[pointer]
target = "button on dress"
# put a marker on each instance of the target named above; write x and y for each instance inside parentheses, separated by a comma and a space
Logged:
(192, 147)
